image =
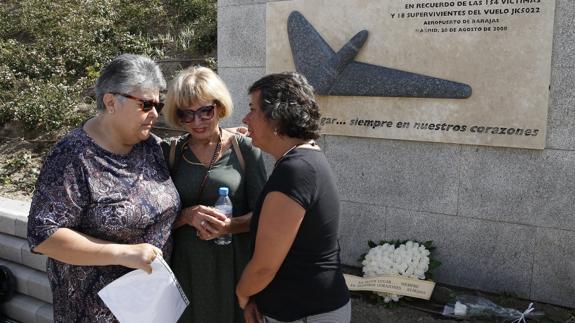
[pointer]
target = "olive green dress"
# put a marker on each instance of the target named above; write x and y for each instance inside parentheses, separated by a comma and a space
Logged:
(208, 272)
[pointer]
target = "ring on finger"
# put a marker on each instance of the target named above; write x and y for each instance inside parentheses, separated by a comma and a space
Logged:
(203, 223)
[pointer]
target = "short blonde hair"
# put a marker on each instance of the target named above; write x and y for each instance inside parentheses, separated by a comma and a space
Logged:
(195, 84)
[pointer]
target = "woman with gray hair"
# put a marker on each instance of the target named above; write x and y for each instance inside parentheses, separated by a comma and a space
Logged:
(104, 202)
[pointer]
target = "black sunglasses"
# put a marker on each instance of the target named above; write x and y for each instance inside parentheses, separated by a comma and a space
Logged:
(147, 105)
(205, 113)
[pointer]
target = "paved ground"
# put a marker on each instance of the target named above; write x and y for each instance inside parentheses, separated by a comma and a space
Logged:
(365, 312)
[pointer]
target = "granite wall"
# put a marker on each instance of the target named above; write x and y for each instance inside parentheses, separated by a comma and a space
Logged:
(503, 219)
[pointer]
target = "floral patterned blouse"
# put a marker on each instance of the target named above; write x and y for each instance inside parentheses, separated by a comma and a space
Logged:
(125, 199)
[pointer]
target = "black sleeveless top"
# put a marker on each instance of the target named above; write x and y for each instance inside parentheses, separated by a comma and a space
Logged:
(309, 280)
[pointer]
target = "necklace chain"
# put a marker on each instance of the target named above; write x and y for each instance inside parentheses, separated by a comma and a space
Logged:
(212, 162)
(214, 156)
(292, 148)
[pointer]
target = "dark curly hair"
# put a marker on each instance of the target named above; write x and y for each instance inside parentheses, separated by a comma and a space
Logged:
(287, 100)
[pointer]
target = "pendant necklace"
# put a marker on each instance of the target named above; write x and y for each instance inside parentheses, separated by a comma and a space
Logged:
(209, 168)
(216, 152)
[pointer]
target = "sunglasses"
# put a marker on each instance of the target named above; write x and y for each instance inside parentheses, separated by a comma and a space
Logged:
(205, 113)
(147, 105)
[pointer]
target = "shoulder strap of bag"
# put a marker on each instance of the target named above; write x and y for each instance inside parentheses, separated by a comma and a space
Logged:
(239, 152)
(172, 155)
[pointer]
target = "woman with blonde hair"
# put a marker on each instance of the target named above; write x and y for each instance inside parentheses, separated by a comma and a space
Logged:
(202, 160)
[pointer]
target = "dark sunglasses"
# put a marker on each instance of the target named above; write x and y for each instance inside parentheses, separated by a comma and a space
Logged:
(204, 113)
(147, 105)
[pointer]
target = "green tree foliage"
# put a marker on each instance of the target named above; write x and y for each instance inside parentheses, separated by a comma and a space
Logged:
(51, 51)
(199, 17)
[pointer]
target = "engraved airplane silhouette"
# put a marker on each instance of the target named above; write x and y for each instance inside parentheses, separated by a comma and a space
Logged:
(332, 73)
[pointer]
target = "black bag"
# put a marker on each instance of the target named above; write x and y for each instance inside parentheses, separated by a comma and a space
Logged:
(7, 284)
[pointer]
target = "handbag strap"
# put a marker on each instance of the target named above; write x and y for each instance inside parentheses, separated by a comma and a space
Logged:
(172, 155)
(212, 162)
(238, 152)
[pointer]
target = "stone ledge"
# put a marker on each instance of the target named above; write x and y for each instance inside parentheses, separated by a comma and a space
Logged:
(30, 282)
(16, 249)
(14, 217)
(11, 248)
(28, 309)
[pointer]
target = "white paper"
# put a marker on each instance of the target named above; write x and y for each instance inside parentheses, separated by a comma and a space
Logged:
(139, 297)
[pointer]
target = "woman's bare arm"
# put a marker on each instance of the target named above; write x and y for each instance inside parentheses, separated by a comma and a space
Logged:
(279, 223)
(72, 247)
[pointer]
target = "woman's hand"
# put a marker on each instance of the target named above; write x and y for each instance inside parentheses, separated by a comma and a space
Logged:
(137, 256)
(252, 314)
(212, 228)
(242, 300)
(238, 130)
(208, 221)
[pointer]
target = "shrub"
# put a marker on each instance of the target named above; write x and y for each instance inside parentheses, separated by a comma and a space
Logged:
(197, 19)
(51, 51)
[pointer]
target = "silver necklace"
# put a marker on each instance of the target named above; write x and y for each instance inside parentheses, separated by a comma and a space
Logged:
(292, 148)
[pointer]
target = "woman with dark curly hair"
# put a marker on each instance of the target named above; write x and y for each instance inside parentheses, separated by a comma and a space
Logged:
(295, 272)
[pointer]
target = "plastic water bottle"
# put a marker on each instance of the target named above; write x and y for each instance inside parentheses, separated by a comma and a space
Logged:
(224, 205)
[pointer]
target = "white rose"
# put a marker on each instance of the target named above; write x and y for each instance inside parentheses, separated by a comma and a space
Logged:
(410, 260)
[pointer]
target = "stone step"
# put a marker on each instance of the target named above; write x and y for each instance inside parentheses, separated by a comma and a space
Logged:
(14, 217)
(32, 302)
(30, 282)
(27, 309)
(15, 249)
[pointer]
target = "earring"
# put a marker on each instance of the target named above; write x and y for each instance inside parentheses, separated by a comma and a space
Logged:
(275, 132)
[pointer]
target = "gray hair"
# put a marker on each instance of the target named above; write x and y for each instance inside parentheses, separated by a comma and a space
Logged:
(126, 73)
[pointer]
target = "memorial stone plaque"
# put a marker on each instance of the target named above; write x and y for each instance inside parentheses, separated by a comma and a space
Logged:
(469, 72)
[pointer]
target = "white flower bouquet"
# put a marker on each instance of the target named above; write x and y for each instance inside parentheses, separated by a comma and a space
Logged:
(404, 258)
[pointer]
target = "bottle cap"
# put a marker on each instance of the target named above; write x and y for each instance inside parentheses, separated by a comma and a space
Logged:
(223, 191)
